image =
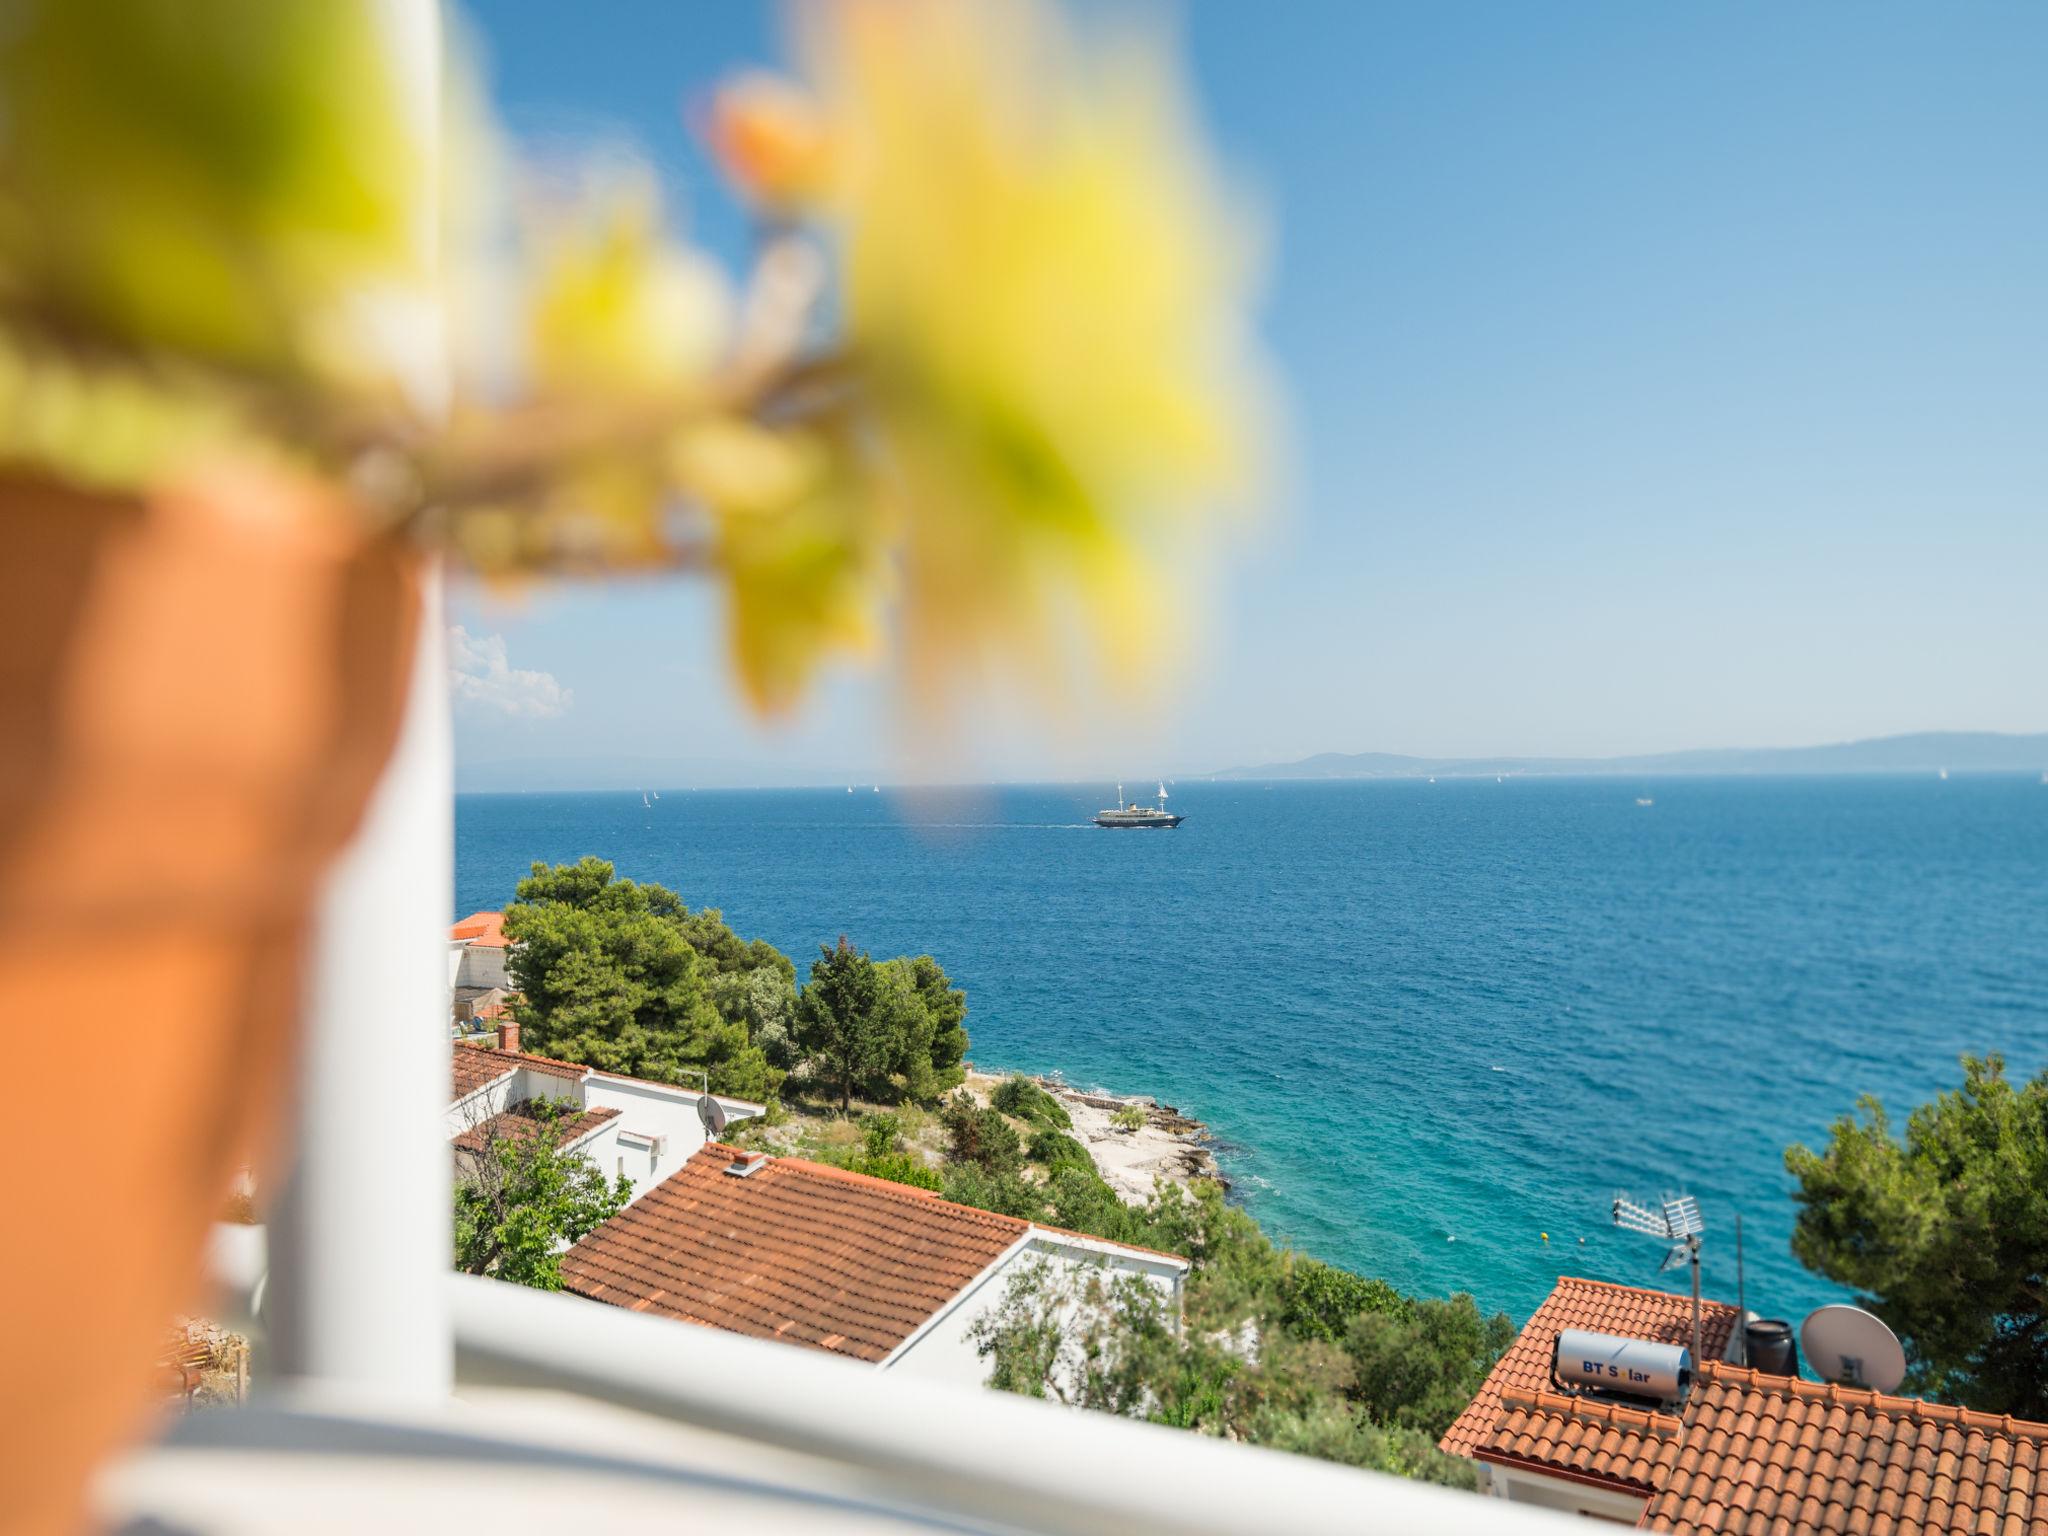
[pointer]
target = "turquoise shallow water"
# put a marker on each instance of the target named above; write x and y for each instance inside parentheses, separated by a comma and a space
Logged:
(1427, 1022)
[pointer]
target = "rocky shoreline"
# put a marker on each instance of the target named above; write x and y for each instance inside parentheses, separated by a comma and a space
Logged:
(1169, 1145)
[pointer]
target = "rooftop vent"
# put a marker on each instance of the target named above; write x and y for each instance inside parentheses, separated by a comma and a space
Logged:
(1768, 1347)
(746, 1163)
(1607, 1365)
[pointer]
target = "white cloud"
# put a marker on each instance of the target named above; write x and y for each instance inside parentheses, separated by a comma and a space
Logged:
(481, 679)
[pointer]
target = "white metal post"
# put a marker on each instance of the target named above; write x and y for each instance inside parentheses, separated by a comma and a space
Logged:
(360, 1238)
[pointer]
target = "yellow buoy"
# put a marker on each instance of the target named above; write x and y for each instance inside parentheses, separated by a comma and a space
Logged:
(1546, 1237)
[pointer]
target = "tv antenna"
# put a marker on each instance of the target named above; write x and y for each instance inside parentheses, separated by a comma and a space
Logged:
(1677, 1221)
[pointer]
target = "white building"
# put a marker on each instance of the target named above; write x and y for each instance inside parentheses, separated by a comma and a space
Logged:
(626, 1125)
(477, 950)
(860, 1267)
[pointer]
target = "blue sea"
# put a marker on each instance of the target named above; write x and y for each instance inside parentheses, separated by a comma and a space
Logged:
(1428, 1023)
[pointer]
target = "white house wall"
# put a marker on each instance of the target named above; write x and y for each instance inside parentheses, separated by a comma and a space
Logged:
(656, 1113)
(657, 1110)
(476, 965)
(491, 1099)
(514, 1087)
(1528, 1487)
(946, 1351)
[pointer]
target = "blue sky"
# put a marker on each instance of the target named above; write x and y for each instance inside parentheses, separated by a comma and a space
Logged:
(1661, 376)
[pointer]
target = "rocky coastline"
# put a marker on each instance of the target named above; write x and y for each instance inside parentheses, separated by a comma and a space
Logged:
(1169, 1145)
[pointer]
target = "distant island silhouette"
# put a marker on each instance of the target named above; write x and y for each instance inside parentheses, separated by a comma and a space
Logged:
(1920, 752)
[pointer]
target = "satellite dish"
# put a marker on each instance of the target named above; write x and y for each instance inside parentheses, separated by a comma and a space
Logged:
(712, 1113)
(1848, 1345)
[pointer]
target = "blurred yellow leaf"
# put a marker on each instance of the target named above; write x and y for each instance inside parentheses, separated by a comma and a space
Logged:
(218, 180)
(798, 542)
(617, 306)
(1047, 287)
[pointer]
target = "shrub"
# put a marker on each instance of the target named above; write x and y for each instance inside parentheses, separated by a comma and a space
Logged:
(1017, 1095)
(1004, 1193)
(1057, 1150)
(1319, 1300)
(900, 1168)
(1332, 1432)
(981, 1136)
(878, 1133)
(1419, 1369)
(1130, 1118)
(1082, 1202)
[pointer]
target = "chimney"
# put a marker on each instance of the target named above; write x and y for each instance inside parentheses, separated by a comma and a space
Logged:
(745, 1163)
(508, 1034)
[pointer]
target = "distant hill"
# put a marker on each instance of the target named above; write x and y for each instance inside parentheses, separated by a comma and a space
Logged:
(1923, 752)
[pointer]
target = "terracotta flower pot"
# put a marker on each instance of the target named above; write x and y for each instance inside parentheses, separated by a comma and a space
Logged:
(196, 694)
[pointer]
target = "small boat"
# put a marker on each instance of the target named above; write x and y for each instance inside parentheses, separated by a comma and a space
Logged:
(1944, 775)
(1121, 815)
(1644, 800)
(643, 801)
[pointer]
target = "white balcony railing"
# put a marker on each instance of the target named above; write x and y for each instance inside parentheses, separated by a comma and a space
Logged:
(396, 1397)
(610, 1409)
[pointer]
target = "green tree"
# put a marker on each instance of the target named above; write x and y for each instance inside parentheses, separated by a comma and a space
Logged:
(841, 1029)
(1945, 1234)
(520, 1199)
(1318, 1300)
(981, 1136)
(1417, 1367)
(920, 1019)
(1275, 1349)
(1081, 1335)
(906, 1027)
(945, 1006)
(611, 979)
(1006, 1193)
(763, 1002)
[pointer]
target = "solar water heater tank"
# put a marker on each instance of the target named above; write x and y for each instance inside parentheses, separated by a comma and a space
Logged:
(1586, 1361)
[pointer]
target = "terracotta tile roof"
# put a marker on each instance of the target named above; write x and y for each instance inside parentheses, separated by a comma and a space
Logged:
(1604, 1442)
(1796, 1458)
(1627, 1310)
(476, 1065)
(520, 1122)
(473, 1067)
(794, 1251)
(486, 930)
(1750, 1454)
